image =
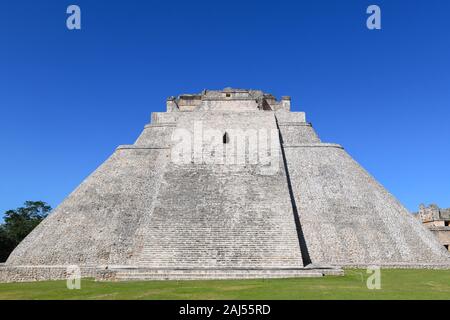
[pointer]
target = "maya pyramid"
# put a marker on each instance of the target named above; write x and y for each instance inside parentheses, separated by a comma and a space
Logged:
(225, 184)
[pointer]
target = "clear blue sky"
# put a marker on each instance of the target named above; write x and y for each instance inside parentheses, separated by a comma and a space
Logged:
(69, 98)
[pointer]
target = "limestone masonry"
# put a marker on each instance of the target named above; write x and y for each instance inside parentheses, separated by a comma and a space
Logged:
(437, 220)
(225, 184)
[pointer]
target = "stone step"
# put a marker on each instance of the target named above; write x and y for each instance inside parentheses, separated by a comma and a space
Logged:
(211, 271)
(215, 276)
(142, 273)
(221, 216)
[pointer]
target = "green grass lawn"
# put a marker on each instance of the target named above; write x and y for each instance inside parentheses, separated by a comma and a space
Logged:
(395, 284)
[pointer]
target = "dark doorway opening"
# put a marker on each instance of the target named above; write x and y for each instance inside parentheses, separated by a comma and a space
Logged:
(226, 138)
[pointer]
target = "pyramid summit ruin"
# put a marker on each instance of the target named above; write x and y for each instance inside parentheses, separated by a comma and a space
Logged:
(225, 184)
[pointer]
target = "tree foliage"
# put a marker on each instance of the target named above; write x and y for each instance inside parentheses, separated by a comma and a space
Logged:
(19, 223)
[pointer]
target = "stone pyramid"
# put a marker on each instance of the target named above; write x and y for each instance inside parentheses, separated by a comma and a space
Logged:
(225, 184)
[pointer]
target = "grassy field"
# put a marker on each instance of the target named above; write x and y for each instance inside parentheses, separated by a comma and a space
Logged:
(395, 284)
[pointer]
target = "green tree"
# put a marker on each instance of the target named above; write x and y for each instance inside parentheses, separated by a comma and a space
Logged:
(6, 245)
(19, 223)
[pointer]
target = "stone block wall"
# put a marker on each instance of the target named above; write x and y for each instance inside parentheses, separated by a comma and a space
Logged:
(348, 217)
(97, 223)
(40, 273)
(156, 136)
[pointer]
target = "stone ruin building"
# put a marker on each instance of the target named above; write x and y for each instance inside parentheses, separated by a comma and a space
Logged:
(437, 220)
(225, 184)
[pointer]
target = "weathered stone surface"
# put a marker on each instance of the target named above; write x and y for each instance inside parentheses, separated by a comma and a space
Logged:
(40, 273)
(224, 215)
(349, 218)
(437, 220)
(310, 203)
(137, 274)
(97, 222)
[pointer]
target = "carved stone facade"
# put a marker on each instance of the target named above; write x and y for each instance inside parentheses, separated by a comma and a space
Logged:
(437, 220)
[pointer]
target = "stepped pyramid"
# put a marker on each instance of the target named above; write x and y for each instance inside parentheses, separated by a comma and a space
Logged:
(225, 184)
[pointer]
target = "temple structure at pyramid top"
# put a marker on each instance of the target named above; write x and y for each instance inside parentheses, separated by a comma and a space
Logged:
(229, 99)
(225, 184)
